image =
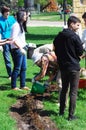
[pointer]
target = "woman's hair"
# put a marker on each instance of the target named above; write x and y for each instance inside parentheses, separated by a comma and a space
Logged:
(20, 15)
(73, 19)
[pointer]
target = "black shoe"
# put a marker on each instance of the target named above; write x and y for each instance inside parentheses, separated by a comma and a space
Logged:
(70, 118)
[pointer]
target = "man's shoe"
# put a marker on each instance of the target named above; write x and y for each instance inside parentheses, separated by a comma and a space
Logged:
(70, 118)
(9, 78)
(16, 89)
(24, 88)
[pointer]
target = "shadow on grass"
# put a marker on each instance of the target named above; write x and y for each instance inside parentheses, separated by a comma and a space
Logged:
(45, 112)
(5, 77)
(28, 80)
(39, 37)
(13, 95)
(5, 87)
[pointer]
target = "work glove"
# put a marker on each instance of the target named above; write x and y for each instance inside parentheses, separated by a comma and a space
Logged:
(23, 51)
(34, 81)
(46, 84)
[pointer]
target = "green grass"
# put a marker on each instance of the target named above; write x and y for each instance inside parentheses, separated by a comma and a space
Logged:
(48, 16)
(41, 35)
(61, 122)
(8, 97)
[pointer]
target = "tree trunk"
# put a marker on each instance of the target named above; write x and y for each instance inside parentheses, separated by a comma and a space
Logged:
(29, 4)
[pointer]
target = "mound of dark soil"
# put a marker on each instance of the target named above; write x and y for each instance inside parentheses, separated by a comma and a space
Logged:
(29, 113)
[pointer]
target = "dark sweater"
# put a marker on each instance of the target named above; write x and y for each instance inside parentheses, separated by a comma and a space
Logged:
(68, 49)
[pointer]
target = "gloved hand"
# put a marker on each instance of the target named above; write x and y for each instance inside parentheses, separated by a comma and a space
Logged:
(33, 80)
(46, 84)
(23, 51)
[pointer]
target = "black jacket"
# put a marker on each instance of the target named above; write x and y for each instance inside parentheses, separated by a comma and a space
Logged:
(68, 49)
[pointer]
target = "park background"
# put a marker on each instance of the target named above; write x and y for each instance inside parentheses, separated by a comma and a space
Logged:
(39, 35)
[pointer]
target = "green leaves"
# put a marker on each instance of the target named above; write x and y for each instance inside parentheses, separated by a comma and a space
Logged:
(20, 3)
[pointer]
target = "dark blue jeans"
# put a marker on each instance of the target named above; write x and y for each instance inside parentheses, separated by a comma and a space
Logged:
(6, 55)
(69, 79)
(19, 69)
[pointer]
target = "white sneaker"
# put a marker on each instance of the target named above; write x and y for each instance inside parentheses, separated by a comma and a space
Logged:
(9, 78)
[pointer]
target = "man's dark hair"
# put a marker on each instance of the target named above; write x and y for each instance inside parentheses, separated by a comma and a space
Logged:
(4, 9)
(84, 15)
(73, 19)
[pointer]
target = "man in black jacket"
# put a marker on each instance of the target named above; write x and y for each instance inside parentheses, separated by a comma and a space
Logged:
(68, 49)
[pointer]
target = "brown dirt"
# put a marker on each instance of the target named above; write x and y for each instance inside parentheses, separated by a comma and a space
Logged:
(29, 113)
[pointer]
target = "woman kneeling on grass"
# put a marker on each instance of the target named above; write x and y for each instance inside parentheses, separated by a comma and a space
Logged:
(18, 51)
(48, 66)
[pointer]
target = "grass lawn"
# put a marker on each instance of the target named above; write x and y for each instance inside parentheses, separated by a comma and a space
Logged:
(48, 16)
(8, 97)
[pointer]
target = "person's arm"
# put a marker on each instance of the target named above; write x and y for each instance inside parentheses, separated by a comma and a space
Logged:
(43, 70)
(83, 56)
(78, 46)
(51, 76)
(53, 47)
(5, 41)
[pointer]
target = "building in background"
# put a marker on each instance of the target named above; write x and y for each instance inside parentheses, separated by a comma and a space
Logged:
(79, 7)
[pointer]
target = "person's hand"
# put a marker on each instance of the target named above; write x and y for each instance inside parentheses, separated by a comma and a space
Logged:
(33, 80)
(46, 84)
(9, 42)
(23, 51)
(83, 56)
(9, 39)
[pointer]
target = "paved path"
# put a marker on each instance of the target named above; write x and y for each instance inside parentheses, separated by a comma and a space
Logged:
(35, 23)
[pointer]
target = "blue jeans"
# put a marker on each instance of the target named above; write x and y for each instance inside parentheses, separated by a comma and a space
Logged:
(69, 79)
(19, 69)
(6, 55)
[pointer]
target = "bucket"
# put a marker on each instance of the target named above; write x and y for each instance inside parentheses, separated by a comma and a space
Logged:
(30, 52)
(82, 83)
(38, 88)
(31, 47)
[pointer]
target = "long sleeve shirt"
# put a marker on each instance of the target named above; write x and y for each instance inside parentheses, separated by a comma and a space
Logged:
(18, 36)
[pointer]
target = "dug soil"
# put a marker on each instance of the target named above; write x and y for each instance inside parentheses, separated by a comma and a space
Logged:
(29, 113)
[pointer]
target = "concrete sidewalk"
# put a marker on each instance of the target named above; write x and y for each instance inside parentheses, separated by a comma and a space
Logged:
(35, 23)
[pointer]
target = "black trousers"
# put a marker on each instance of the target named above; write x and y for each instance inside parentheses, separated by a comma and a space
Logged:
(69, 79)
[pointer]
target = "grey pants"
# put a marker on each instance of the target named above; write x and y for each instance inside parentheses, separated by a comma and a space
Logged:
(69, 79)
